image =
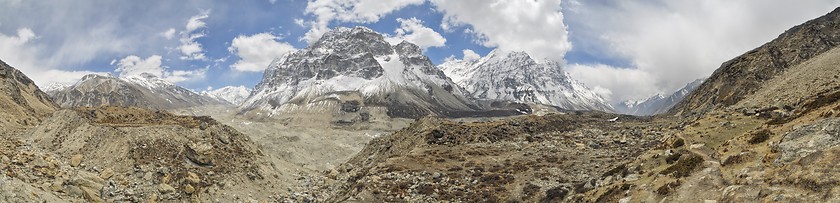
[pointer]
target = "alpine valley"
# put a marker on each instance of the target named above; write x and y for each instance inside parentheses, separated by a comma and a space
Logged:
(355, 117)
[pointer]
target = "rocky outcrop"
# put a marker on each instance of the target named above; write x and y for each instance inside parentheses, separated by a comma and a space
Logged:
(136, 155)
(22, 104)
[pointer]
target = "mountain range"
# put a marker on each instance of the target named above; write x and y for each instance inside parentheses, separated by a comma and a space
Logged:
(657, 104)
(515, 76)
(358, 66)
(144, 90)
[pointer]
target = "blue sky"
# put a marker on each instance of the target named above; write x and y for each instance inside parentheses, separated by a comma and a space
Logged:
(622, 49)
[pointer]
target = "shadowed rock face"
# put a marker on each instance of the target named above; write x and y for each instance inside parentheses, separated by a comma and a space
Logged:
(21, 102)
(146, 91)
(743, 75)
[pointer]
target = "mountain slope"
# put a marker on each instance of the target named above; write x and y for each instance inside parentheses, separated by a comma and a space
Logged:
(357, 67)
(657, 104)
(743, 75)
(515, 76)
(233, 95)
(145, 90)
(21, 102)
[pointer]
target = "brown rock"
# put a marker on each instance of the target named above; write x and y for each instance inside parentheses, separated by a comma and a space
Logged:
(192, 178)
(189, 189)
(92, 195)
(75, 160)
(165, 188)
(106, 174)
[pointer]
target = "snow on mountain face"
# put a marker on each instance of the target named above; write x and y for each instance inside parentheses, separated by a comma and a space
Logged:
(515, 76)
(358, 62)
(54, 87)
(144, 90)
(657, 104)
(232, 94)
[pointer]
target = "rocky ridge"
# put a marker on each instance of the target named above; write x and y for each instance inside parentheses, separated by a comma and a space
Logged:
(144, 90)
(22, 103)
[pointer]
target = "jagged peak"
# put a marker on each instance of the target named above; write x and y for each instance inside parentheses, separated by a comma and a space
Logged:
(408, 48)
(352, 41)
(97, 75)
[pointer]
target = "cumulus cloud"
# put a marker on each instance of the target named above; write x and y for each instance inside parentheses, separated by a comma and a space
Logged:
(190, 48)
(614, 83)
(470, 55)
(134, 65)
(168, 34)
(670, 43)
(257, 51)
(17, 51)
(413, 30)
(532, 26)
(356, 11)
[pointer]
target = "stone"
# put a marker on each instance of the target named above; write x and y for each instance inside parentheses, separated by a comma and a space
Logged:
(165, 188)
(200, 153)
(92, 195)
(192, 178)
(106, 174)
(87, 180)
(189, 189)
(632, 177)
(72, 190)
(57, 185)
(76, 160)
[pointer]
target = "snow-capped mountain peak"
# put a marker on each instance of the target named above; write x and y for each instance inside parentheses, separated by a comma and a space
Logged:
(143, 90)
(658, 103)
(515, 76)
(358, 61)
(231, 94)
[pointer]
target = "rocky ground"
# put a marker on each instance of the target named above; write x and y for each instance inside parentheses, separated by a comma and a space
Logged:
(127, 154)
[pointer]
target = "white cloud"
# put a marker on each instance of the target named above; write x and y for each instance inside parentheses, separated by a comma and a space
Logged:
(197, 21)
(532, 26)
(413, 30)
(614, 83)
(257, 51)
(18, 51)
(672, 43)
(356, 11)
(470, 55)
(177, 76)
(134, 65)
(168, 34)
(190, 48)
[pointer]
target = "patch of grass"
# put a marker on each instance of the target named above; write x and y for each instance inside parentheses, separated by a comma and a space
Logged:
(620, 169)
(530, 190)
(555, 194)
(668, 188)
(760, 136)
(684, 167)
